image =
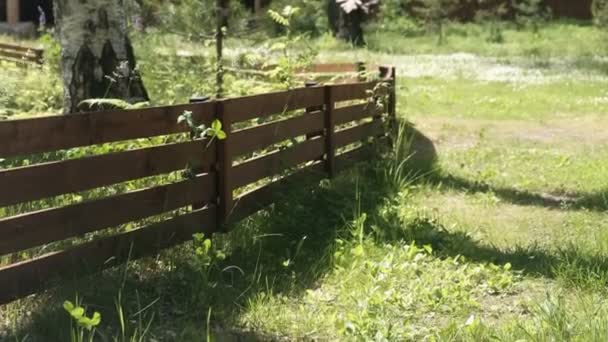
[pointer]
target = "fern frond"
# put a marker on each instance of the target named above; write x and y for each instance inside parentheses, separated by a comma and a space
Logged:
(278, 18)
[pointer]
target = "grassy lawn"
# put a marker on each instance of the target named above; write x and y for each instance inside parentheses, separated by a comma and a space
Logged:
(505, 238)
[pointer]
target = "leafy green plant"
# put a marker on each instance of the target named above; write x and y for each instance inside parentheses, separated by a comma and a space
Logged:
(202, 131)
(82, 327)
(289, 62)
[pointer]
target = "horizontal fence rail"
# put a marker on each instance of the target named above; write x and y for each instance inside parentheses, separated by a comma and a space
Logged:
(21, 54)
(105, 205)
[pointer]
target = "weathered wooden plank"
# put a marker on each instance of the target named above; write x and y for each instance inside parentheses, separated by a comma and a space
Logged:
(45, 226)
(333, 68)
(352, 91)
(357, 133)
(330, 149)
(250, 107)
(25, 136)
(357, 112)
(347, 159)
(21, 56)
(24, 278)
(251, 139)
(5, 46)
(50, 179)
(259, 198)
(273, 163)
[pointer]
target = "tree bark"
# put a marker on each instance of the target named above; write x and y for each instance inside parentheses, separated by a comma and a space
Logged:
(97, 57)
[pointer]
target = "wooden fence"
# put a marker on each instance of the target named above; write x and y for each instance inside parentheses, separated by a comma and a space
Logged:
(225, 189)
(21, 54)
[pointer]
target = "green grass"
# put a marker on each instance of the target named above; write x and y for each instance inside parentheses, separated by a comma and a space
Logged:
(504, 239)
(561, 38)
(471, 99)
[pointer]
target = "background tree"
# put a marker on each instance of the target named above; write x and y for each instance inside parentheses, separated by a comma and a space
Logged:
(491, 14)
(529, 13)
(97, 58)
(435, 13)
(600, 12)
(347, 17)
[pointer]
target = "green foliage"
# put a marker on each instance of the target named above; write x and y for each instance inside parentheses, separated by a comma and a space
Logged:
(599, 9)
(292, 56)
(311, 19)
(84, 329)
(202, 131)
(492, 16)
(194, 19)
(530, 13)
(393, 17)
(435, 13)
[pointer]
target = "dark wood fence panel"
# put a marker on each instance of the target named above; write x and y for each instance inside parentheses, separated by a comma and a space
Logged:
(251, 139)
(251, 107)
(261, 197)
(272, 163)
(46, 226)
(21, 54)
(24, 278)
(357, 112)
(26, 136)
(50, 179)
(347, 159)
(208, 195)
(357, 133)
(352, 91)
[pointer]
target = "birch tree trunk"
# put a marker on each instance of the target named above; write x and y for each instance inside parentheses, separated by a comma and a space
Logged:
(97, 57)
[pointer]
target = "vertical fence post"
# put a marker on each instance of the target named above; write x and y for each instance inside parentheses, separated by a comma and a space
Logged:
(224, 168)
(194, 100)
(309, 84)
(361, 71)
(388, 74)
(393, 96)
(330, 152)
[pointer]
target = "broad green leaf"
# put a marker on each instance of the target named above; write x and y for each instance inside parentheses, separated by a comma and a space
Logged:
(77, 312)
(96, 319)
(216, 125)
(358, 251)
(221, 135)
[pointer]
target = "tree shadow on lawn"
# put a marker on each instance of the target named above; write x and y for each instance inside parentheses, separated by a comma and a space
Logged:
(284, 250)
(578, 201)
(423, 162)
(570, 263)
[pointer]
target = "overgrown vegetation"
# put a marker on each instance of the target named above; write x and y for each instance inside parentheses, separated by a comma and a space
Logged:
(493, 230)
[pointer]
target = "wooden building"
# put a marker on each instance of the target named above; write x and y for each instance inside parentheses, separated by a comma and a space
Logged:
(18, 14)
